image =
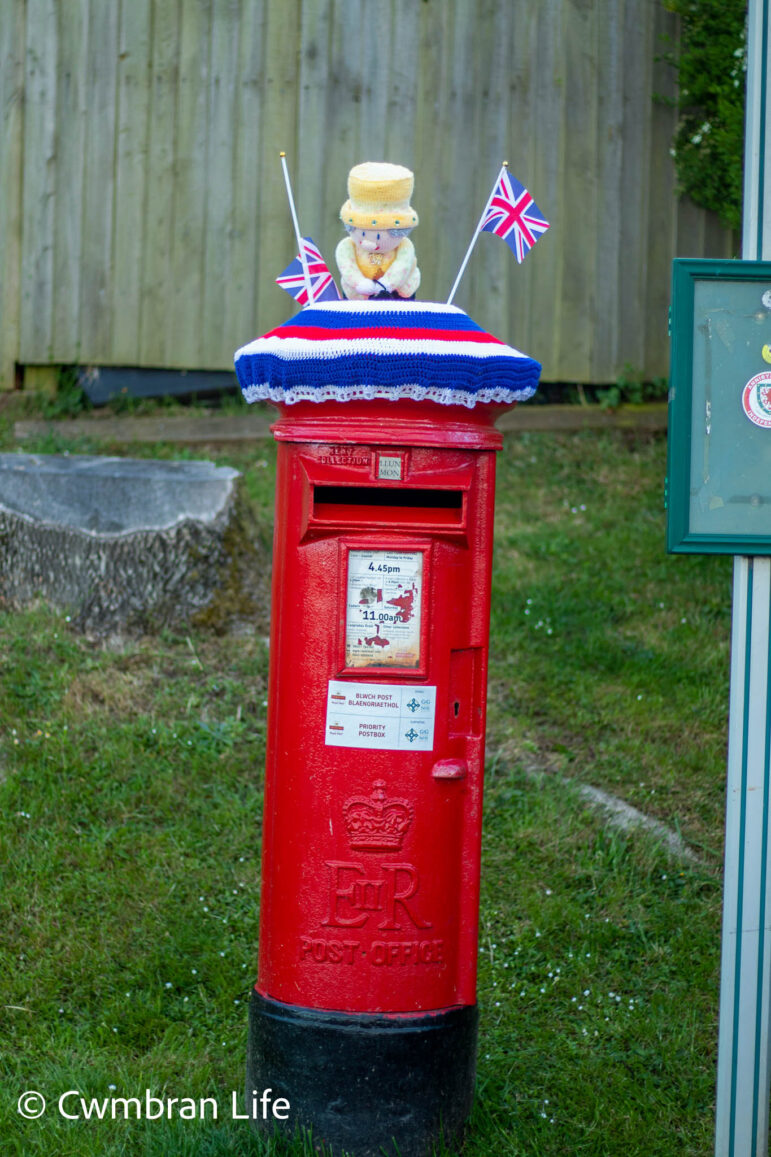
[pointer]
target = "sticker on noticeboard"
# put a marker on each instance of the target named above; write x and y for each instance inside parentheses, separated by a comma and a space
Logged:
(756, 399)
(383, 608)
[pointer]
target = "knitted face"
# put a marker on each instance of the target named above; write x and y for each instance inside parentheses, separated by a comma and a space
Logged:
(375, 240)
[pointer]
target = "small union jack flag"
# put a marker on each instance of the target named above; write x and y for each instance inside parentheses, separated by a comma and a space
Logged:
(323, 286)
(513, 215)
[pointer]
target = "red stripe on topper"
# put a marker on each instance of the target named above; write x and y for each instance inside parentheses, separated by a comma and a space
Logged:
(320, 333)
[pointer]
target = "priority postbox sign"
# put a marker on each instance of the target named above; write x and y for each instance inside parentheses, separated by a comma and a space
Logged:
(719, 451)
(380, 716)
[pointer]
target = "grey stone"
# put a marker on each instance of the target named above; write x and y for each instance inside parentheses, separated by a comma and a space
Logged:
(622, 815)
(120, 543)
(108, 496)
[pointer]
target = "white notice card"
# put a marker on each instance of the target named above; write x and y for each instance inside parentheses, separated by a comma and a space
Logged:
(380, 716)
(383, 608)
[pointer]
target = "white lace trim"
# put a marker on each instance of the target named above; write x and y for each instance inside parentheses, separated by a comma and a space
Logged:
(417, 393)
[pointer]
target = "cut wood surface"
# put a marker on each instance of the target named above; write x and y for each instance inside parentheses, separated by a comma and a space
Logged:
(126, 544)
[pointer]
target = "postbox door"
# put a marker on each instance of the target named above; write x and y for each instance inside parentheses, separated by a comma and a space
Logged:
(373, 812)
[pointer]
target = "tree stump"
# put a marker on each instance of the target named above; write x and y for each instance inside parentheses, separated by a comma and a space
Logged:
(123, 545)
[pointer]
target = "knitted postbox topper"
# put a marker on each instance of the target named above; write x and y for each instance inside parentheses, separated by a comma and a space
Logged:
(346, 350)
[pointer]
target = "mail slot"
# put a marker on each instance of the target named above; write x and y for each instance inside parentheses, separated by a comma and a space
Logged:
(373, 505)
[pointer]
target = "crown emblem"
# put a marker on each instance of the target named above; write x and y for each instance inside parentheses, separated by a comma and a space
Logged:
(377, 824)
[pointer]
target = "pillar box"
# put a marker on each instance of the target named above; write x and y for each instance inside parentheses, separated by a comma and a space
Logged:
(364, 1016)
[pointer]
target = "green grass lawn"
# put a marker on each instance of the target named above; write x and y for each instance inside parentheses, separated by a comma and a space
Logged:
(130, 797)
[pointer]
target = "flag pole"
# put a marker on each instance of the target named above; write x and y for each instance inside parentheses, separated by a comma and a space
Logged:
(504, 166)
(302, 254)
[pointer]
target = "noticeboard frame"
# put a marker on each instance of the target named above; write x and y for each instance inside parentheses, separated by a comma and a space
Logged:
(681, 444)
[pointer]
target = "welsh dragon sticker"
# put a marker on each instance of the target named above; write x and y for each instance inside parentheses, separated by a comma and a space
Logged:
(756, 399)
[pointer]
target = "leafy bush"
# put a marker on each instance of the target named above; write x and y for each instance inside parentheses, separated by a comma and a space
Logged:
(711, 64)
(70, 399)
(630, 388)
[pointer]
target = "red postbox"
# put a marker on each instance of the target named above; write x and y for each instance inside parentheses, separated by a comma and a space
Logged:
(364, 1012)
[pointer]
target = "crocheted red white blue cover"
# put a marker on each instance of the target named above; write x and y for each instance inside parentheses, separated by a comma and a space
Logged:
(344, 350)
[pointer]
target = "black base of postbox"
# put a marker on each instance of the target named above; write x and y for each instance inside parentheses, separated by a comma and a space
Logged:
(363, 1084)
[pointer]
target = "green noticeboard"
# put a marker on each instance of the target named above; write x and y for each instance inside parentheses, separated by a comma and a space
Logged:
(719, 451)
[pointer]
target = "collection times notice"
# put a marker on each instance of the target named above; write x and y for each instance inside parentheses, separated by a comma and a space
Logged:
(383, 608)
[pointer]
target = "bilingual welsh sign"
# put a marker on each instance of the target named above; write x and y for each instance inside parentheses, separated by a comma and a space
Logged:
(719, 447)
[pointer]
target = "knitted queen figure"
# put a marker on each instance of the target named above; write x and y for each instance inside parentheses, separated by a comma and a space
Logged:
(377, 258)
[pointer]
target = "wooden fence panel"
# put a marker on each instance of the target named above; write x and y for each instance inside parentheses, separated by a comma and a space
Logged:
(131, 162)
(12, 56)
(611, 143)
(275, 239)
(537, 288)
(190, 183)
(581, 199)
(220, 247)
(157, 226)
(240, 306)
(629, 276)
(36, 307)
(70, 161)
(661, 220)
(98, 182)
(143, 215)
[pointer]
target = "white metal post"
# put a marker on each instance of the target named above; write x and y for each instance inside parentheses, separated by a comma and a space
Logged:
(745, 1020)
(742, 1114)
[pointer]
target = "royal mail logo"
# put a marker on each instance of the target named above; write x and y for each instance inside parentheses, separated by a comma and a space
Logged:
(336, 697)
(377, 823)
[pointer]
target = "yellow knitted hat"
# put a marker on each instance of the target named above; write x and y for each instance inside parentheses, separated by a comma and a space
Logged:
(379, 197)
